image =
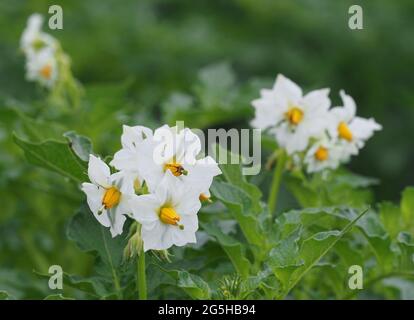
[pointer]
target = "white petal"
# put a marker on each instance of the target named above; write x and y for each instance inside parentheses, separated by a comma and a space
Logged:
(189, 147)
(349, 106)
(133, 136)
(125, 159)
(117, 226)
(168, 186)
(190, 223)
(94, 196)
(317, 100)
(158, 237)
(183, 237)
(124, 181)
(364, 128)
(98, 172)
(287, 88)
(145, 208)
(189, 204)
(202, 173)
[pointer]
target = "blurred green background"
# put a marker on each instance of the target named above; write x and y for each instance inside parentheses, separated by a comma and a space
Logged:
(153, 51)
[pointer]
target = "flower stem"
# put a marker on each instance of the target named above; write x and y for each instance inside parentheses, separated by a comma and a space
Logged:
(141, 277)
(277, 179)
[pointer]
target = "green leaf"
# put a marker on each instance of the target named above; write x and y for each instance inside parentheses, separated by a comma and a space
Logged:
(407, 207)
(55, 156)
(405, 243)
(192, 284)
(313, 248)
(378, 238)
(240, 206)
(240, 197)
(285, 258)
(57, 297)
(334, 188)
(390, 215)
(233, 174)
(81, 145)
(38, 130)
(233, 248)
(95, 286)
(90, 236)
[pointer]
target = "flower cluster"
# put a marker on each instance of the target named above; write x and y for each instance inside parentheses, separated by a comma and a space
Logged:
(160, 182)
(308, 128)
(40, 51)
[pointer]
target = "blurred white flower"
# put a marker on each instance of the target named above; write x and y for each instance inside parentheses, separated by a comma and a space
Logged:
(168, 215)
(323, 154)
(292, 117)
(351, 131)
(33, 40)
(42, 67)
(108, 195)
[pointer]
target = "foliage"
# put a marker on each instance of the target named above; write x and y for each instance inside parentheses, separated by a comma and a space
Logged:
(324, 224)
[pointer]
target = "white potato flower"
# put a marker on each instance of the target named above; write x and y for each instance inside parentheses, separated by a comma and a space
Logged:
(173, 150)
(294, 118)
(168, 215)
(33, 39)
(42, 67)
(323, 154)
(351, 131)
(128, 158)
(108, 195)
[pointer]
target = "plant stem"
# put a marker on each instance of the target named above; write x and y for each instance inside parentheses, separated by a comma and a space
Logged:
(277, 179)
(141, 277)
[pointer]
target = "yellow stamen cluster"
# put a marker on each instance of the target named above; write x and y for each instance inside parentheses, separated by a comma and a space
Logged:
(111, 198)
(176, 168)
(46, 71)
(169, 216)
(322, 154)
(344, 132)
(294, 115)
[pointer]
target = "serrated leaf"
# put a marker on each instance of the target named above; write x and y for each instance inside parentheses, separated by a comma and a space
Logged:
(233, 248)
(233, 174)
(390, 216)
(405, 243)
(311, 251)
(334, 218)
(284, 257)
(95, 286)
(38, 130)
(333, 189)
(239, 204)
(81, 145)
(90, 236)
(55, 156)
(192, 284)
